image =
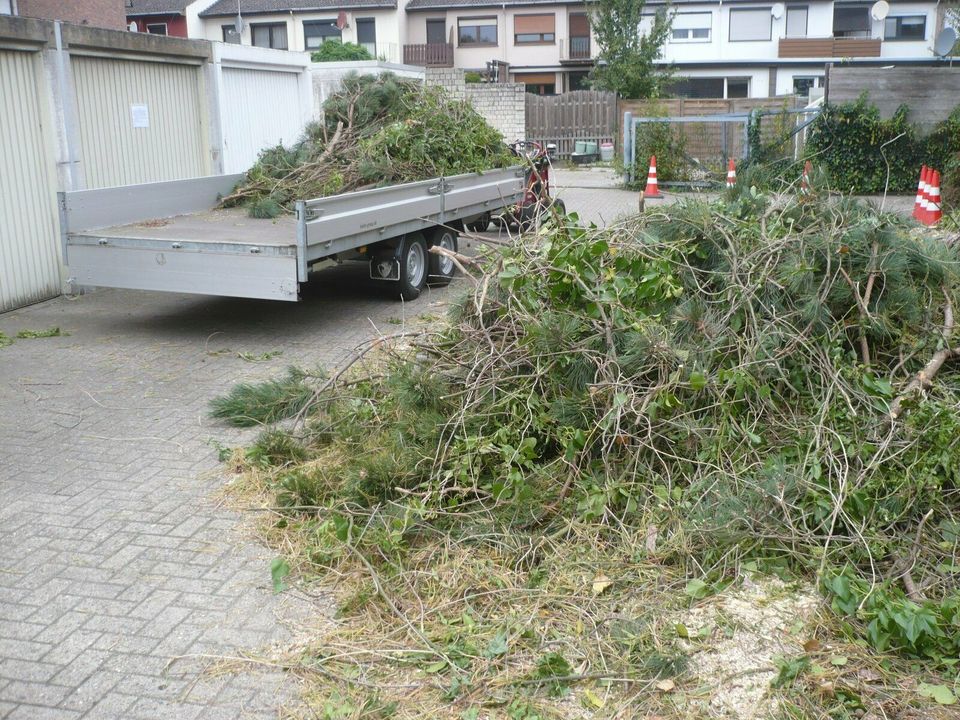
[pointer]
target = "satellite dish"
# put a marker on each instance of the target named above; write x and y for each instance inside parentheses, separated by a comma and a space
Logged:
(945, 41)
(777, 10)
(132, 27)
(880, 10)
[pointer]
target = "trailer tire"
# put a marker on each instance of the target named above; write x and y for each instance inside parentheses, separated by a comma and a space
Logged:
(442, 269)
(481, 224)
(414, 266)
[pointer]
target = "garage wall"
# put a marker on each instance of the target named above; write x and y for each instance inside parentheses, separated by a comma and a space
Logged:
(29, 246)
(140, 121)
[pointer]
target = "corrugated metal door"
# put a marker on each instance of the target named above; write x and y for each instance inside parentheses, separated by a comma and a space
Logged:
(29, 240)
(260, 109)
(140, 121)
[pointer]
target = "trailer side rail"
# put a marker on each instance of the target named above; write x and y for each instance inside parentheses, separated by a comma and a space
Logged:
(343, 222)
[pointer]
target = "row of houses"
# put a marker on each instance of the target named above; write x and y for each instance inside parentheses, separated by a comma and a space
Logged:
(719, 48)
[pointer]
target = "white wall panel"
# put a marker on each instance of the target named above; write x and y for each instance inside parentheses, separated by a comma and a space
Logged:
(29, 240)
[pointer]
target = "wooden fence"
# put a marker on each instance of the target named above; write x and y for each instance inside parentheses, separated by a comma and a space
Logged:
(578, 115)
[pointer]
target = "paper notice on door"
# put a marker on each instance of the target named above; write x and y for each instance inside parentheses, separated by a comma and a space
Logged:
(140, 115)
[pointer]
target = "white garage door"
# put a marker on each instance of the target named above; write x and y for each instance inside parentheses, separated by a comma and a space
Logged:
(260, 109)
(140, 121)
(29, 239)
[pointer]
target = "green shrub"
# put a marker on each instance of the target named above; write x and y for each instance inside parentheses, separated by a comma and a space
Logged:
(668, 144)
(950, 190)
(472, 76)
(336, 51)
(855, 145)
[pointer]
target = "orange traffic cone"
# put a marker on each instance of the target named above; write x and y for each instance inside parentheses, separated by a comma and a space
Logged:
(923, 212)
(916, 202)
(935, 212)
(651, 190)
(805, 178)
(731, 173)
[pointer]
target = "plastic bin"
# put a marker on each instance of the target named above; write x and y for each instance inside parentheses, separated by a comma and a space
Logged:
(606, 151)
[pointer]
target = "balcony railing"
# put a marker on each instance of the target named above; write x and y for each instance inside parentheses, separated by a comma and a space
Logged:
(828, 47)
(429, 55)
(580, 48)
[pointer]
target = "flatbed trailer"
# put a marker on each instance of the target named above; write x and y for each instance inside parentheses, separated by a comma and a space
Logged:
(165, 236)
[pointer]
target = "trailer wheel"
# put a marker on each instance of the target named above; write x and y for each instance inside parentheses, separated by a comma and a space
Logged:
(442, 268)
(413, 267)
(481, 224)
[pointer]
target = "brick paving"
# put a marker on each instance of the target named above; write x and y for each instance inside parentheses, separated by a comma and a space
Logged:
(115, 557)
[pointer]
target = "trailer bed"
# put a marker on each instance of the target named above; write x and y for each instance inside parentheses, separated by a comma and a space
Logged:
(230, 225)
(163, 236)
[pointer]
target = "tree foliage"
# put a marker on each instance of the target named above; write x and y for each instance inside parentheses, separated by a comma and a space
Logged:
(626, 63)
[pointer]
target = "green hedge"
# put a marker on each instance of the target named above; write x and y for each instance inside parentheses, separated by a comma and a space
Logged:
(336, 51)
(846, 140)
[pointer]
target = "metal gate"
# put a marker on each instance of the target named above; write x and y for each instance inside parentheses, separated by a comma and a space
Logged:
(706, 142)
(29, 249)
(140, 120)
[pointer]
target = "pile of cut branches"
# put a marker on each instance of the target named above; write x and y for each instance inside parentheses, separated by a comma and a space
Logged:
(377, 130)
(618, 422)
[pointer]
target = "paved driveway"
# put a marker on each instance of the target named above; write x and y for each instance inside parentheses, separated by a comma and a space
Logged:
(114, 557)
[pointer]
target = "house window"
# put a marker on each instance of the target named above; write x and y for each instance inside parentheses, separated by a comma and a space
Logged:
(436, 32)
(230, 34)
(6, 7)
(157, 28)
(578, 80)
(851, 22)
(797, 22)
(538, 83)
(367, 35)
(317, 32)
(691, 27)
(272, 35)
(803, 84)
(537, 29)
(579, 36)
(477, 31)
(738, 87)
(751, 24)
(907, 27)
(697, 87)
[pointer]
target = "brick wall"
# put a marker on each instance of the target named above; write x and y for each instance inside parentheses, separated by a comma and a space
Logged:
(95, 13)
(501, 104)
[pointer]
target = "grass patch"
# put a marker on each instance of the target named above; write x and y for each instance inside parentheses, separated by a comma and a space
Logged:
(49, 332)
